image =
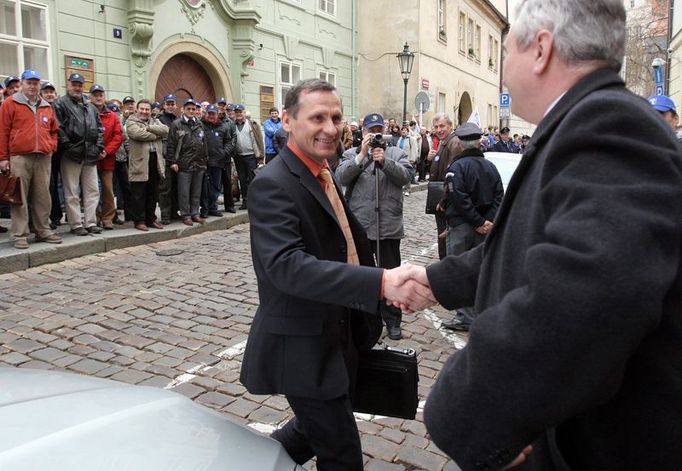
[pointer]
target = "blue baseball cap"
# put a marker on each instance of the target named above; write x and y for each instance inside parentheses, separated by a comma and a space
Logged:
(30, 74)
(113, 107)
(96, 88)
(239, 107)
(191, 101)
(662, 103)
(76, 78)
(156, 105)
(48, 85)
(373, 119)
(220, 100)
(128, 99)
(170, 97)
(229, 107)
(212, 109)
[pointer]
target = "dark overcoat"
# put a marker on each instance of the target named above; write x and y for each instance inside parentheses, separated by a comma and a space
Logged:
(578, 345)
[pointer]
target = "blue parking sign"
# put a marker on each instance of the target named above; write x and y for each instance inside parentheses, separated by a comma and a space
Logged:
(505, 100)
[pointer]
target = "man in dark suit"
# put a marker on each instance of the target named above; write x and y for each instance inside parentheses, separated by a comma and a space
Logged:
(319, 290)
(577, 349)
(504, 145)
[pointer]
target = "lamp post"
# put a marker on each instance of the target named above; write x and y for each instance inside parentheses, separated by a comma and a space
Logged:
(405, 61)
(658, 65)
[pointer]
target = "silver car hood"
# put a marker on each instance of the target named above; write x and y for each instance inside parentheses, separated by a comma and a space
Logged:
(60, 421)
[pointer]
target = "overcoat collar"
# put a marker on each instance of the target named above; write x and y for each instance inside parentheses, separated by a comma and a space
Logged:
(601, 78)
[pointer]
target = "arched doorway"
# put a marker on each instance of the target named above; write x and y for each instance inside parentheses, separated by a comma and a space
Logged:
(186, 78)
(464, 109)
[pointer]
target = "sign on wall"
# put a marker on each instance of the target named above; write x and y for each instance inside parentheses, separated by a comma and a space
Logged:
(80, 65)
(267, 101)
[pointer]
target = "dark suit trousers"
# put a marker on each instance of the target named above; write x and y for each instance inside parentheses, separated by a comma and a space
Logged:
(246, 169)
(389, 255)
(441, 225)
(325, 429)
(228, 200)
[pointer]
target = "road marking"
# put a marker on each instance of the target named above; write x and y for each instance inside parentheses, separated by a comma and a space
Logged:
(227, 354)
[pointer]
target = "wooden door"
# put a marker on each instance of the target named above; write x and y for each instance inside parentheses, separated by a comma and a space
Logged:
(186, 78)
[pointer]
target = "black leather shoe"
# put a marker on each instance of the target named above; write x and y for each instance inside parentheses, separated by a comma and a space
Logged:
(217, 214)
(394, 332)
(456, 324)
(231, 210)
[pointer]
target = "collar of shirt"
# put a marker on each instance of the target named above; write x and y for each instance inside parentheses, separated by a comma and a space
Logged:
(187, 120)
(553, 104)
(312, 165)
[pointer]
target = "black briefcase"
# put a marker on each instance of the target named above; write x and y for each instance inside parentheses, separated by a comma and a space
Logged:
(387, 383)
(434, 193)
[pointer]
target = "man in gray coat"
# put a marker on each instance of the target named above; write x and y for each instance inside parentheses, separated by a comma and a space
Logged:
(577, 348)
(358, 171)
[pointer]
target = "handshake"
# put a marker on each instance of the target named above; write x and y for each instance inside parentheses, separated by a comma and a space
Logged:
(407, 287)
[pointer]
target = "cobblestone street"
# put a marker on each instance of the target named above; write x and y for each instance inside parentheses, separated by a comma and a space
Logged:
(146, 316)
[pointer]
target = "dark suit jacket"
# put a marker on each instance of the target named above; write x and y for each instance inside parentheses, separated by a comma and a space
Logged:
(311, 301)
(578, 344)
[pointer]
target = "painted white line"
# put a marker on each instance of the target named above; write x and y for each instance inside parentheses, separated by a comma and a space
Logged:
(453, 338)
(233, 351)
(229, 353)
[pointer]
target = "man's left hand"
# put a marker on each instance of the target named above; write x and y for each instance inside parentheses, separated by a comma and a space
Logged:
(101, 155)
(484, 228)
(4, 165)
(378, 156)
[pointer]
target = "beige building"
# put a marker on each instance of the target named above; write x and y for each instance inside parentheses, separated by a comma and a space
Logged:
(457, 46)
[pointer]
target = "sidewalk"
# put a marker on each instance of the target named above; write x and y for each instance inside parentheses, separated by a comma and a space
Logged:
(40, 253)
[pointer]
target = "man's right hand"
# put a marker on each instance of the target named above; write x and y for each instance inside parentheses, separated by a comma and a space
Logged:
(4, 165)
(432, 154)
(175, 168)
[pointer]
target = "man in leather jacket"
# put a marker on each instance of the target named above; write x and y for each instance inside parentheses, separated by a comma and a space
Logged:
(81, 145)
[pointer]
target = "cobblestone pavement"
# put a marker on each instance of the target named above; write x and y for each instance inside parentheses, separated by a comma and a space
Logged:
(142, 316)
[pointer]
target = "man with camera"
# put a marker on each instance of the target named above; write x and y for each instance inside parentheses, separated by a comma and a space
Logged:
(374, 175)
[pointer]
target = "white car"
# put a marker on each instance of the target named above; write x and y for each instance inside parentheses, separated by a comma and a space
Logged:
(506, 164)
(61, 421)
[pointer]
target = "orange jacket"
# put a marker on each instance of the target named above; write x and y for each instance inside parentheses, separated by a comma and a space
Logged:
(23, 131)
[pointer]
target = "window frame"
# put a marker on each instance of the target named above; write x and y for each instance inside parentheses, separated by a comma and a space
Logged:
(288, 85)
(21, 43)
(326, 4)
(462, 31)
(327, 73)
(442, 20)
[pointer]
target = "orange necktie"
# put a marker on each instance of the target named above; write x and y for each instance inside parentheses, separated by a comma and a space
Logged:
(333, 195)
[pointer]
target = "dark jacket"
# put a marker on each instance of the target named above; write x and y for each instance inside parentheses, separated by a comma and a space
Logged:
(81, 137)
(449, 148)
(280, 140)
(167, 118)
(505, 146)
(577, 347)
(311, 300)
(473, 190)
(187, 145)
(221, 142)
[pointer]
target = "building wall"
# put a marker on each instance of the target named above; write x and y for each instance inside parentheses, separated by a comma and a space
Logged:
(241, 51)
(440, 64)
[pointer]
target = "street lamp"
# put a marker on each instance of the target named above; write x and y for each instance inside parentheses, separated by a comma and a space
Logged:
(658, 65)
(405, 61)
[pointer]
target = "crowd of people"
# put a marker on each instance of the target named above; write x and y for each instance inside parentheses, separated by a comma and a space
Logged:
(101, 161)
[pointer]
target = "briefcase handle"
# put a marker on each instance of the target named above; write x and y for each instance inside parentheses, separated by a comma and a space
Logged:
(404, 351)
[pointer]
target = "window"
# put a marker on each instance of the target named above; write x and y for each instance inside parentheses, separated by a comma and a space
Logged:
(442, 30)
(496, 53)
(23, 37)
(289, 74)
(328, 77)
(491, 55)
(477, 43)
(462, 31)
(441, 102)
(470, 37)
(328, 6)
